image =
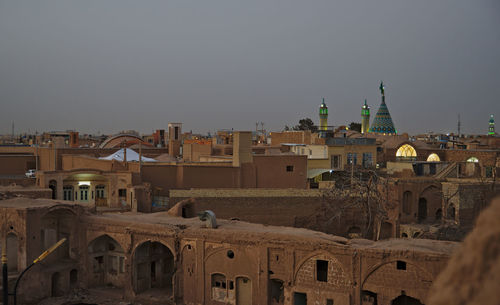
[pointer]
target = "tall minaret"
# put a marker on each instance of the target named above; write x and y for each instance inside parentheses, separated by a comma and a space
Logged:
(491, 128)
(365, 118)
(323, 116)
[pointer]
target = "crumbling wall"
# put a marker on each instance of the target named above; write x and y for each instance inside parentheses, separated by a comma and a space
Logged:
(473, 273)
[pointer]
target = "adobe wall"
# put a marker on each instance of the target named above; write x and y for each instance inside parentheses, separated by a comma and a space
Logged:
(300, 137)
(16, 164)
(254, 264)
(485, 157)
(279, 207)
(271, 171)
(468, 200)
(208, 177)
(429, 189)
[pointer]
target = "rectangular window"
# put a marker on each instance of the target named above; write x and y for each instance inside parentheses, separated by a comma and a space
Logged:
(322, 270)
(400, 265)
(336, 161)
(122, 193)
(489, 172)
(329, 302)
(289, 168)
(299, 298)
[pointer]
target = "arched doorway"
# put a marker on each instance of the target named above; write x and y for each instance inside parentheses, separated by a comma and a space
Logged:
(73, 279)
(422, 210)
(12, 249)
(153, 264)
(243, 291)
(53, 187)
(106, 262)
(56, 285)
(385, 230)
(405, 300)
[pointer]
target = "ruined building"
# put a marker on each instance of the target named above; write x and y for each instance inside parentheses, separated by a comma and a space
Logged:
(168, 258)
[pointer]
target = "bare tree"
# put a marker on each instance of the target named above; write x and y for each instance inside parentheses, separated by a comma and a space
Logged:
(365, 193)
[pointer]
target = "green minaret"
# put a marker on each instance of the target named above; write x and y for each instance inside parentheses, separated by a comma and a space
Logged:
(365, 118)
(491, 128)
(323, 116)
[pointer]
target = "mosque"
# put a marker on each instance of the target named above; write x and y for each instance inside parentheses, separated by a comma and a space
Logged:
(382, 124)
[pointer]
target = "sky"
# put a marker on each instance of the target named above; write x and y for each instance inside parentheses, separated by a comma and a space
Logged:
(102, 66)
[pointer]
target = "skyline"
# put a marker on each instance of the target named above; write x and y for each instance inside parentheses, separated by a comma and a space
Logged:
(98, 66)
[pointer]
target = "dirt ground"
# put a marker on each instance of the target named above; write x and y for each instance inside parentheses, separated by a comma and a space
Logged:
(108, 296)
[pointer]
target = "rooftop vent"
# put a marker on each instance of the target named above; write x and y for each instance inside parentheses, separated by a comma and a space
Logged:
(209, 218)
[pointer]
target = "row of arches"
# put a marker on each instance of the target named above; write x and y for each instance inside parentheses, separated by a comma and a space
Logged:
(406, 152)
(325, 270)
(152, 265)
(428, 207)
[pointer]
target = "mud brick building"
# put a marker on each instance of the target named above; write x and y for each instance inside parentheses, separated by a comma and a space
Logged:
(181, 260)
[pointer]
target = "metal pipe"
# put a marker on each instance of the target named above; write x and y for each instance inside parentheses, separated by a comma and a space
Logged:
(37, 260)
(5, 281)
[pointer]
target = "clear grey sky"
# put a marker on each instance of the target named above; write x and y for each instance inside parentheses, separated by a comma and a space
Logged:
(111, 65)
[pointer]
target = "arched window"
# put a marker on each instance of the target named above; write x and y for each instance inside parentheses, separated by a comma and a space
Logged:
(406, 153)
(219, 289)
(433, 158)
(473, 160)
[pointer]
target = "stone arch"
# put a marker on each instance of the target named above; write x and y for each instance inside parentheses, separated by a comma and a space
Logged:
(214, 251)
(429, 202)
(57, 223)
(106, 262)
(336, 275)
(404, 274)
(433, 157)
(153, 267)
